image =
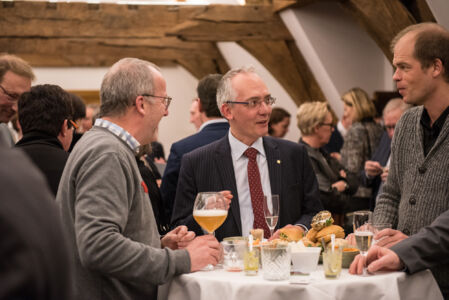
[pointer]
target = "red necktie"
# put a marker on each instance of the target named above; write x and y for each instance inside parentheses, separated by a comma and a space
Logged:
(256, 192)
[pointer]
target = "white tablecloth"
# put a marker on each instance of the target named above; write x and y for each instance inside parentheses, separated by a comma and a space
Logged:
(219, 284)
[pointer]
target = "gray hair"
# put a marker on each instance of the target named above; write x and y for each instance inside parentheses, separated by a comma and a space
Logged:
(225, 91)
(395, 103)
(123, 83)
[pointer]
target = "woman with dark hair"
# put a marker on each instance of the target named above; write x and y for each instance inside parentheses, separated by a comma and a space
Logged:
(279, 122)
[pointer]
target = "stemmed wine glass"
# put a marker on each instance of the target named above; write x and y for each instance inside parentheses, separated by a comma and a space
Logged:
(210, 211)
(363, 232)
(271, 211)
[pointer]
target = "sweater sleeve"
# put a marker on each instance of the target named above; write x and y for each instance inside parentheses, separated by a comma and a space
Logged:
(105, 198)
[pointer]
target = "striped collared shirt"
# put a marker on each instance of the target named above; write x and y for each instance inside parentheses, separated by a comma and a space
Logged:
(120, 132)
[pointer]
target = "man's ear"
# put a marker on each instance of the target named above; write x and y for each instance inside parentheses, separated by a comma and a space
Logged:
(139, 103)
(226, 111)
(438, 67)
(64, 128)
(200, 107)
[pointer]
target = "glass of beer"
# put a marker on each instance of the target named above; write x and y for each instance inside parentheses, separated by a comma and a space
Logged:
(210, 211)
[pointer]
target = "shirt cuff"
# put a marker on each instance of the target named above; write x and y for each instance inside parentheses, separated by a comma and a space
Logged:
(303, 227)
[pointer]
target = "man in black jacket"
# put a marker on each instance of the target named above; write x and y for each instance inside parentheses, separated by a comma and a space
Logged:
(45, 115)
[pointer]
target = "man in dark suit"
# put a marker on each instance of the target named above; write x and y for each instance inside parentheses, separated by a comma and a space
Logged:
(283, 167)
(213, 128)
(45, 115)
(376, 169)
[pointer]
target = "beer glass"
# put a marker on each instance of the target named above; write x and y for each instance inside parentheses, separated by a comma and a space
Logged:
(210, 211)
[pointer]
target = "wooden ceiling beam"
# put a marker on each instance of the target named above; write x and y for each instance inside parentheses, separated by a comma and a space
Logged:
(382, 19)
(288, 68)
(104, 52)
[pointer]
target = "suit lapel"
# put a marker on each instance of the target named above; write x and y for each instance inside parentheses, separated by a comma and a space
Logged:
(225, 166)
(274, 168)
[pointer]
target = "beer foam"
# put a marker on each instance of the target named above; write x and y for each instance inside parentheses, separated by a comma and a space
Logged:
(210, 213)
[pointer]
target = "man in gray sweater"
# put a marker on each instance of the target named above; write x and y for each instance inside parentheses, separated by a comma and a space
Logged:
(104, 203)
(416, 191)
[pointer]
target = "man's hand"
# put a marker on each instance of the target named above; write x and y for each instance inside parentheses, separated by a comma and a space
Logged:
(389, 237)
(277, 233)
(384, 174)
(336, 155)
(351, 239)
(340, 186)
(178, 238)
(373, 168)
(228, 197)
(378, 259)
(204, 250)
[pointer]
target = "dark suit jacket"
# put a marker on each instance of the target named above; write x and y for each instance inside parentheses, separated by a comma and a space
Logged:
(210, 168)
(34, 255)
(381, 155)
(207, 135)
(47, 154)
(427, 249)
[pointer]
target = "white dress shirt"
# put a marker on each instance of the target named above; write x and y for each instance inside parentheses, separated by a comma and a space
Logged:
(240, 163)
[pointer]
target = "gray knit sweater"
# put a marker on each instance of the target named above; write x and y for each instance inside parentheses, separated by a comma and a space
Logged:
(417, 188)
(110, 223)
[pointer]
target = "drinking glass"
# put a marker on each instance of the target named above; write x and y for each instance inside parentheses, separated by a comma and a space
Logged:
(271, 211)
(276, 262)
(210, 211)
(379, 227)
(363, 232)
(332, 259)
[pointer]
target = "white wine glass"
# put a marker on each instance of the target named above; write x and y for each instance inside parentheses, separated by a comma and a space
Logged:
(271, 211)
(210, 211)
(363, 233)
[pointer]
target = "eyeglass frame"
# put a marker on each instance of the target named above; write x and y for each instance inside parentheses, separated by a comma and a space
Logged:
(390, 127)
(269, 100)
(327, 124)
(72, 124)
(166, 100)
(14, 97)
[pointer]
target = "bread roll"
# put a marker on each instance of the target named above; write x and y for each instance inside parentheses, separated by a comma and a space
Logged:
(291, 234)
(327, 231)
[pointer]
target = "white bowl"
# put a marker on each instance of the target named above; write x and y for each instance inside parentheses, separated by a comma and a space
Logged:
(306, 260)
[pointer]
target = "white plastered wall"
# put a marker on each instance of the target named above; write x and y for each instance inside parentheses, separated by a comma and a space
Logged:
(340, 54)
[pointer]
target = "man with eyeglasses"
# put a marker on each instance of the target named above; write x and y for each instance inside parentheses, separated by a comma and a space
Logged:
(46, 118)
(104, 202)
(376, 169)
(249, 164)
(15, 78)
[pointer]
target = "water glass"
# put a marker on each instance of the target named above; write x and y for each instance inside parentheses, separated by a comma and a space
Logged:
(379, 227)
(276, 262)
(332, 262)
(233, 254)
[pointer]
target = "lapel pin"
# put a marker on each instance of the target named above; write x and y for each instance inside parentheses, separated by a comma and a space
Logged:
(278, 162)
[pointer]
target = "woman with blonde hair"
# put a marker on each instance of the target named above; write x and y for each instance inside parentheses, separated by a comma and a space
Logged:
(360, 141)
(315, 122)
